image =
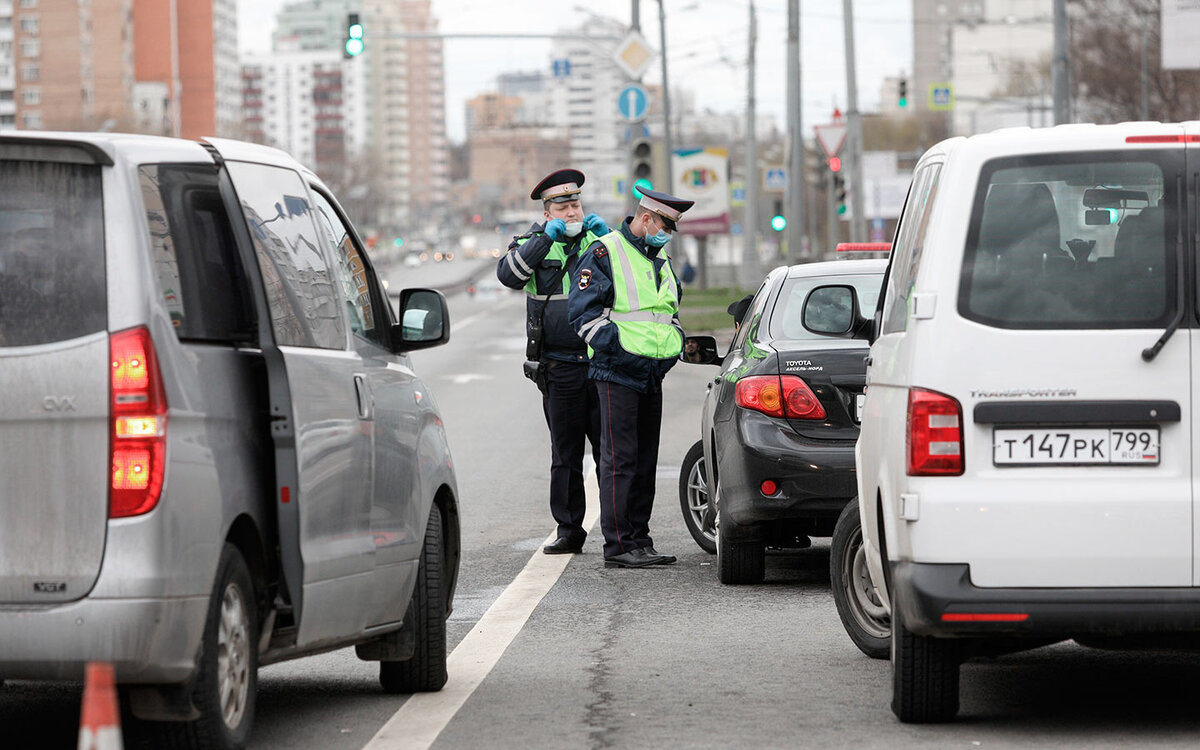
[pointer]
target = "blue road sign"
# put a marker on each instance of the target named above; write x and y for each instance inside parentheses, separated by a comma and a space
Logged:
(632, 102)
(562, 67)
(941, 96)
(775, 179)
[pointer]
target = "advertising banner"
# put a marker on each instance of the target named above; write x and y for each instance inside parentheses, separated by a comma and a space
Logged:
(702, 175)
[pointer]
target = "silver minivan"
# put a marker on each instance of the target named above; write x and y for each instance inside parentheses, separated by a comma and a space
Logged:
(216, 453)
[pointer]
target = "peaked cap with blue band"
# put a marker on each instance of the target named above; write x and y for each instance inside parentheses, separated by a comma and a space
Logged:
(666, 206)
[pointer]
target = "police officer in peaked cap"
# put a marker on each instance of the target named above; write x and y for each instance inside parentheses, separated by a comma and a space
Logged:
(540, 262)
(625, 305)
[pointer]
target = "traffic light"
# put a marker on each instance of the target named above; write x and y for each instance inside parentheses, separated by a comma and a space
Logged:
(839, 193)
(642, 152)
(778, 220)
(354, 45)
(902, 93)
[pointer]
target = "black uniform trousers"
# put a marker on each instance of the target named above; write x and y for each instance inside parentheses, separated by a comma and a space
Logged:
(572, 414)
(629, 430)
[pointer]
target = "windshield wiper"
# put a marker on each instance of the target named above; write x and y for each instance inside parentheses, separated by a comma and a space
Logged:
(1150, 353)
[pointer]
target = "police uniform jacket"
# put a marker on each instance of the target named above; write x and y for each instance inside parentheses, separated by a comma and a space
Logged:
(525, 260)
(591, 298)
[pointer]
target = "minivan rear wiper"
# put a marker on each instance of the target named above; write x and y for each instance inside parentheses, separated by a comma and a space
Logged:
(1151, 352)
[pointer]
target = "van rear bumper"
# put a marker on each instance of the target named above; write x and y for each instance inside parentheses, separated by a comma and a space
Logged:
(146, 640)
(925, 593)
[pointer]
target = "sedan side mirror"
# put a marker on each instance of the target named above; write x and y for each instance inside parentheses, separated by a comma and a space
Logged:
(424, 321)
(700, 350)
(833, 310)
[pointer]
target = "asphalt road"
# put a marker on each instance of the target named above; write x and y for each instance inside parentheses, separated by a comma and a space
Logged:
(662, 657)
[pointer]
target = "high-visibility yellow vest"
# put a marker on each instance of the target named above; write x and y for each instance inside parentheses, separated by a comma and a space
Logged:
(643, 306)
(558, 251)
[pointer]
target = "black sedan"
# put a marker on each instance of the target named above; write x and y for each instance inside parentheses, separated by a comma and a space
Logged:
(779, 423)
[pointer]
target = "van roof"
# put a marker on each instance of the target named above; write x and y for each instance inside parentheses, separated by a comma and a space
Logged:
(137, 149)
(1070, 137)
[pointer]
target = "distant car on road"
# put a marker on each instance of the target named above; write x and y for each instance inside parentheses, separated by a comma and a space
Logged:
(775, 464)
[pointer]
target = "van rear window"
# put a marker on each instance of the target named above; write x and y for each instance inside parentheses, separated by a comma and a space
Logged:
(1080, 242)
(52, 285)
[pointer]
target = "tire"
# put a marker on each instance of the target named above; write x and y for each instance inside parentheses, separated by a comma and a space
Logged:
(738, 562)
(693, 497)
(924, 675)
(426, 671)
(858, 603)
(227, 677)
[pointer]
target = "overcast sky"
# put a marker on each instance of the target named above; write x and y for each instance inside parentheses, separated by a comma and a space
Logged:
(707, 42)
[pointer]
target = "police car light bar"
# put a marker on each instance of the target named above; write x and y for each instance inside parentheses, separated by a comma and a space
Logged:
(864, 247)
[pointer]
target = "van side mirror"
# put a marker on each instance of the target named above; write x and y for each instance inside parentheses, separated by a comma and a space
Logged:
(424, 321)
(700, 350)
(833, 310)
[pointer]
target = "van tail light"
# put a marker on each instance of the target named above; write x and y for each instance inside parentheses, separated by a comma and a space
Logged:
(138, 421)
(935, 434)
(778, 396)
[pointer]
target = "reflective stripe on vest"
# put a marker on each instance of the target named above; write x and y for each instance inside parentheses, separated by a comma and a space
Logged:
(643, 308)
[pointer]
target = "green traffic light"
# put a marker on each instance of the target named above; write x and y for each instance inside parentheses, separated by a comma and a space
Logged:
(778, 223)
(356, 31)
(354, 47)
(841, 209)
(903, 102)
(398, 242)
(639, 186)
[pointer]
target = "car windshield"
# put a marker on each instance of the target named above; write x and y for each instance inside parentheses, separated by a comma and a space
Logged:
(1073, 243)
(786, 317)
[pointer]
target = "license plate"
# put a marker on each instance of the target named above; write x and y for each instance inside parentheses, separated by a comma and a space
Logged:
(1078, 446)
(859, 400)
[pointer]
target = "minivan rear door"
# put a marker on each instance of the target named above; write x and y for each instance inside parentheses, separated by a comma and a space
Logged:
(1078, 430)
(54, 356)
(1190, 325)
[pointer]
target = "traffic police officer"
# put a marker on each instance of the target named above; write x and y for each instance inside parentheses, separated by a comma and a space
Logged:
(625, 305)
(540, 262)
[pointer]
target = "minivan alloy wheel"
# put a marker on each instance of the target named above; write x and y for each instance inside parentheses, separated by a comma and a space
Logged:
(233, 655)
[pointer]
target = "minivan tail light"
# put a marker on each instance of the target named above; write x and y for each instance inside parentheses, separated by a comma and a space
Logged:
(138, 435)
(778, 396)
(935, 434)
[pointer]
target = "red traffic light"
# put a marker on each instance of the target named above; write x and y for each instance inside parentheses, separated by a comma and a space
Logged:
(835, 164)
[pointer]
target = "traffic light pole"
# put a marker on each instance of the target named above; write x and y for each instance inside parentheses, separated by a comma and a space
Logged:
(795, 186)
(854, 142)
(751, 266)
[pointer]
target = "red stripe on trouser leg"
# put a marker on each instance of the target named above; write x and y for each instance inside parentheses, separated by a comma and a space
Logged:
(612, 466)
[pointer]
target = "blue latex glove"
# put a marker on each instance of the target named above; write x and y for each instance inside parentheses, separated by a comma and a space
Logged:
(595, 225)
(556, 229)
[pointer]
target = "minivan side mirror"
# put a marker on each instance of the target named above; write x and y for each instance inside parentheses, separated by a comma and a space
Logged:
(424, 321)
(700, 350)
(833, 310)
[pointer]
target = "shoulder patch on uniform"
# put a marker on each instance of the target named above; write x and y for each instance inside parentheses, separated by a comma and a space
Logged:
(585, 278)
(601, 251)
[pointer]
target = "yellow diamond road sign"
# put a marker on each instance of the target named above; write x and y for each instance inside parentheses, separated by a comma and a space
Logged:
(633, 55)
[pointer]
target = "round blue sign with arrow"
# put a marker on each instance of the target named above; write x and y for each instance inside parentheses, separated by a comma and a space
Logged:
(632, 103)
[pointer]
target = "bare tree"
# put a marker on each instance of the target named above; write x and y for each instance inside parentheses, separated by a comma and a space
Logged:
(1107, 40)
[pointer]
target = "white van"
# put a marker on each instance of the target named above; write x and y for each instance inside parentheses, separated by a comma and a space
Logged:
(1025, 466)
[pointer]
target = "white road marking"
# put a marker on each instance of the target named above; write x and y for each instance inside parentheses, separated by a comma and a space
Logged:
(467, 377)
(417, 724)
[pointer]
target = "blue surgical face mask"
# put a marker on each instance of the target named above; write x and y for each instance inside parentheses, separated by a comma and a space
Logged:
(658, 240)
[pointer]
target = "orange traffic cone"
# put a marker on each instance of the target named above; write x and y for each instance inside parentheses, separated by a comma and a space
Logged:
(99, 721)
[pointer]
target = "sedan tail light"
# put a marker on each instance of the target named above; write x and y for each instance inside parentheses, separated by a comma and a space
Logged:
(778, 396)
(138, 436)
(935, 435)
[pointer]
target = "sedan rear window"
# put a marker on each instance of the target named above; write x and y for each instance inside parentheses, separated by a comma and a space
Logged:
(786, 318)
(52, 284)
(1073, 242)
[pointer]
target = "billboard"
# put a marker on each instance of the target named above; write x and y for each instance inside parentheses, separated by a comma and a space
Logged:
(702, 175)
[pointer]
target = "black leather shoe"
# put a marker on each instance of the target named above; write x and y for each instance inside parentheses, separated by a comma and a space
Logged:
(636, 558)
(563, 546)
(664, 559)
